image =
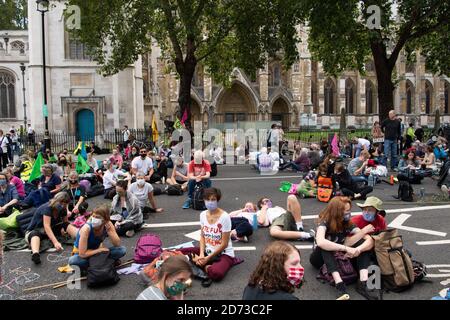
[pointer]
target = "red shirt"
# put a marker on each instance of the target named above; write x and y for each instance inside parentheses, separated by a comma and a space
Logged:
(379, 223)
(199, 169)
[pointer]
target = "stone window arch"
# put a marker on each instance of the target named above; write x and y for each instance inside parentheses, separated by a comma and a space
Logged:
(428, 97)
(329, 96)
(7, 95)
(350, 96)
(409, 97)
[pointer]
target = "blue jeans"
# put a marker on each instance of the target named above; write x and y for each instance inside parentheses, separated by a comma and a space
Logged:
(360, 179)
(114, 252)
(390, 151)
(191, 185)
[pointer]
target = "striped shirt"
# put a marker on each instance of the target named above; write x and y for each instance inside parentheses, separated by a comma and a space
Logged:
(152, 293)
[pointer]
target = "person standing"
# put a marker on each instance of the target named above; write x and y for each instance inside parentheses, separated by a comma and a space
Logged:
(3, 150)
(126, 135)
(392, 131)
(30, 133)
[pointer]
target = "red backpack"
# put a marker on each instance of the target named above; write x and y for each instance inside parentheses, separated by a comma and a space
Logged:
(148, 248)
(324, 189)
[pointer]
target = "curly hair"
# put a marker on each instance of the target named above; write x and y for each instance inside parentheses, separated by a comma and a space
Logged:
(270, 275)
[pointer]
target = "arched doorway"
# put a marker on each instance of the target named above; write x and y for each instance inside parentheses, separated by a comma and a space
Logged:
(85, 125)
(350, 96)
(428, 97)
(370, 98)
(235, 105)
(329, 97)
(280, 113)
(195, 112)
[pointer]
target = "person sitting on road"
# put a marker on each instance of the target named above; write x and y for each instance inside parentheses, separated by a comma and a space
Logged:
(301, 164)
(429, 160)
(144, 193)
(357, 167)
(174, 274)
(90, 237)
(439, 152)
(307, 188)
(347, 185)
(215, 254)
(179, 174)
(372, 218)
(314, 156)
(199, 172)
(359, 144)
(63, 168)
(409, 161)
(49, 221)
(285, 224)
(16, 182)
(9, 197)
(242, 222)
(116, 158)
(77, 194)
(278, 273)
(126, 210)
(144, 164)
(110, 178)
(336, 232)
(134, 152)
(49, 180)
(265, 162)
(92, 162)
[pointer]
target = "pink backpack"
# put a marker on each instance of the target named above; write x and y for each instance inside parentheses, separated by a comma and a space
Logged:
(148, 248)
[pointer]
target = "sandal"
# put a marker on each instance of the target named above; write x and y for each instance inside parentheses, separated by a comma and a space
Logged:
(206, 282)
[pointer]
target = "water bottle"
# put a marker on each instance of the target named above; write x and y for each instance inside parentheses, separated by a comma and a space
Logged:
(371, 181)
(255, 222)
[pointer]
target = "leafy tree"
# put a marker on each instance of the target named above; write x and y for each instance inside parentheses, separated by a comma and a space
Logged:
(13, 14)
(220, 34)
(340, 37)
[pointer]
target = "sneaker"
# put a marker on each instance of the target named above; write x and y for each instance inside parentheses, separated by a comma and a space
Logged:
(342, 293)
(187, 203)
(306, 236)
(206, 282)
(369, 294)
(129, 233)
(36, 258)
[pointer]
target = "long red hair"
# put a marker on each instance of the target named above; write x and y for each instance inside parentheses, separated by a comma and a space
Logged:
(333, 215)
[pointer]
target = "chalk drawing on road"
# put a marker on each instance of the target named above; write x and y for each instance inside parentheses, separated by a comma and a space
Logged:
(6, 296)
(38, 296)
(20, 271)
(398, 224)
(27, 278)
(57, 257)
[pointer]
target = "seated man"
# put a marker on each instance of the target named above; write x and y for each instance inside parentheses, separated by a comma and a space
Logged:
(284, 224)
(359, 144)
(357, 167)
(143, 164)
(179, 174)
(199, 171)
(372, 218)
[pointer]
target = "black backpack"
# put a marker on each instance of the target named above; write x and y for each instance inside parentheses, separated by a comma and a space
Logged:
(213, 169)
(174, 190)
(157, 190)
(197, 198)
(101, 271)
(405, 191)
(96, 190)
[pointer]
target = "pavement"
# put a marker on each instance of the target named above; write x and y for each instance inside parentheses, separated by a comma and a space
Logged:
(424, 226)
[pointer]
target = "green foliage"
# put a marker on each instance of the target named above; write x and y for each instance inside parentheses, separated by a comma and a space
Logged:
(13, 14)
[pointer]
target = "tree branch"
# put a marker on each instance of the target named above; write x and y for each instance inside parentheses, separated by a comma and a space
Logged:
(171, 28)
(214, 45)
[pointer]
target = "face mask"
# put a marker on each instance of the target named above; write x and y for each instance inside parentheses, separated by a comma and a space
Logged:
(3, 182)
(73, 181)
(295, 275)
(114, 167)
(347, 216)
(96, 222)
(211, 205)
(368, 216)
(63, 162)
(140, 182)
(176, 289)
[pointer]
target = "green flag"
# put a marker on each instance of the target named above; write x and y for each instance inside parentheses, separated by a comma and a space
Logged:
(82, 166)
(177, 124)
(36, 171)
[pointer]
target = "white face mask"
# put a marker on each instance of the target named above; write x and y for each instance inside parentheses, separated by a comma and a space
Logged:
(96, 222)
(140, 182)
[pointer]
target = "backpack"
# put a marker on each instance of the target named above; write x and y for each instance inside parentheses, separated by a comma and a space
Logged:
(397, 272)
(345, 268)
(151, 270)
(96, 190)
(265, 163)
(156, 189)
(405, 191)
(197, 198)
(148, 248)
(101, 271)
(174, 190)
(324, 189)
(86, 184)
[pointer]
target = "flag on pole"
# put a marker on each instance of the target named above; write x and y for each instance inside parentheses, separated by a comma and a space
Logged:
(81, 149)
(82, 166)
(154, 129)
(36, 171)
(185, 117)
(177, 124)
(335, 145)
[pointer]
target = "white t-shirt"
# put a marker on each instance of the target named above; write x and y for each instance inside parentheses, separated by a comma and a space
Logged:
(126, 134)
(272, 214)
(363, 143)
(4, 143)
(30, 130)
(142, 165)
(213, 233)
(109, 176)
(141, 194)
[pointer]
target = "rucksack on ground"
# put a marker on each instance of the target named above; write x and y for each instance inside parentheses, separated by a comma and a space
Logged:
(174, 190)
(396, 266)
(324, 189)
(345, 268)
(197, 198)
(96, 190)
(405, 192)
(157, 190)
(148, 248)
(101, 271)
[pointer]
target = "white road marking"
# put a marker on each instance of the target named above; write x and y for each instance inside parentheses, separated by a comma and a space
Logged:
(306, 247)
(429, 243)
(256, 178)
(194, 235)
(438, 266)
(398, 224)
(173, 224)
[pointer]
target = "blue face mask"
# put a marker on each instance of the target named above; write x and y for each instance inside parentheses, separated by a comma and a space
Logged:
(211, 205)
(368, 216)
(3, 182)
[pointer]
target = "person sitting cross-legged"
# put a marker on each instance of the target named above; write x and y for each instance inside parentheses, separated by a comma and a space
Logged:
(144, 193)
(199, 172)
(125, 206)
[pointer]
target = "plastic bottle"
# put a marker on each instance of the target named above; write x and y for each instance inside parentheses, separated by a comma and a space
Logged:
(255, 222)
(371, 181)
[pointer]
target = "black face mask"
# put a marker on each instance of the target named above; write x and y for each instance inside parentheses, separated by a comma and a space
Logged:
(73, 181)
(143, 156)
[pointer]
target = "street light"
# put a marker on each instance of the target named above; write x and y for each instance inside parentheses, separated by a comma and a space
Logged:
(6, 38)
(43, 7)
(22, 68)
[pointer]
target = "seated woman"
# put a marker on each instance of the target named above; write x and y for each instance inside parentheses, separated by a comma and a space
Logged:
(242, 222)
(173, 277)
(89, 239)
(63, 168)
(92, 162)
(409, 161)
(439, 152)
(215, 254)
(134, 152)
(9, 196)
(49, 221)
(15, 181)
(335, 232)
(277, 274)
(77, 195)
(347, 185)
(429, 160)
(179, 174)
(49, 180)
(301, 164)
(144, 193)
(125, 205)
(285, 224)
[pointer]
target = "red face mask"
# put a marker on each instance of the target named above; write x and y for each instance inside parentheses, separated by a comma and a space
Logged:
(295, 275)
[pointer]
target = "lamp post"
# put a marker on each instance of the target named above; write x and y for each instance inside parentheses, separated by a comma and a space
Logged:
(43, 7)
(22, 68)
(6, 38)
